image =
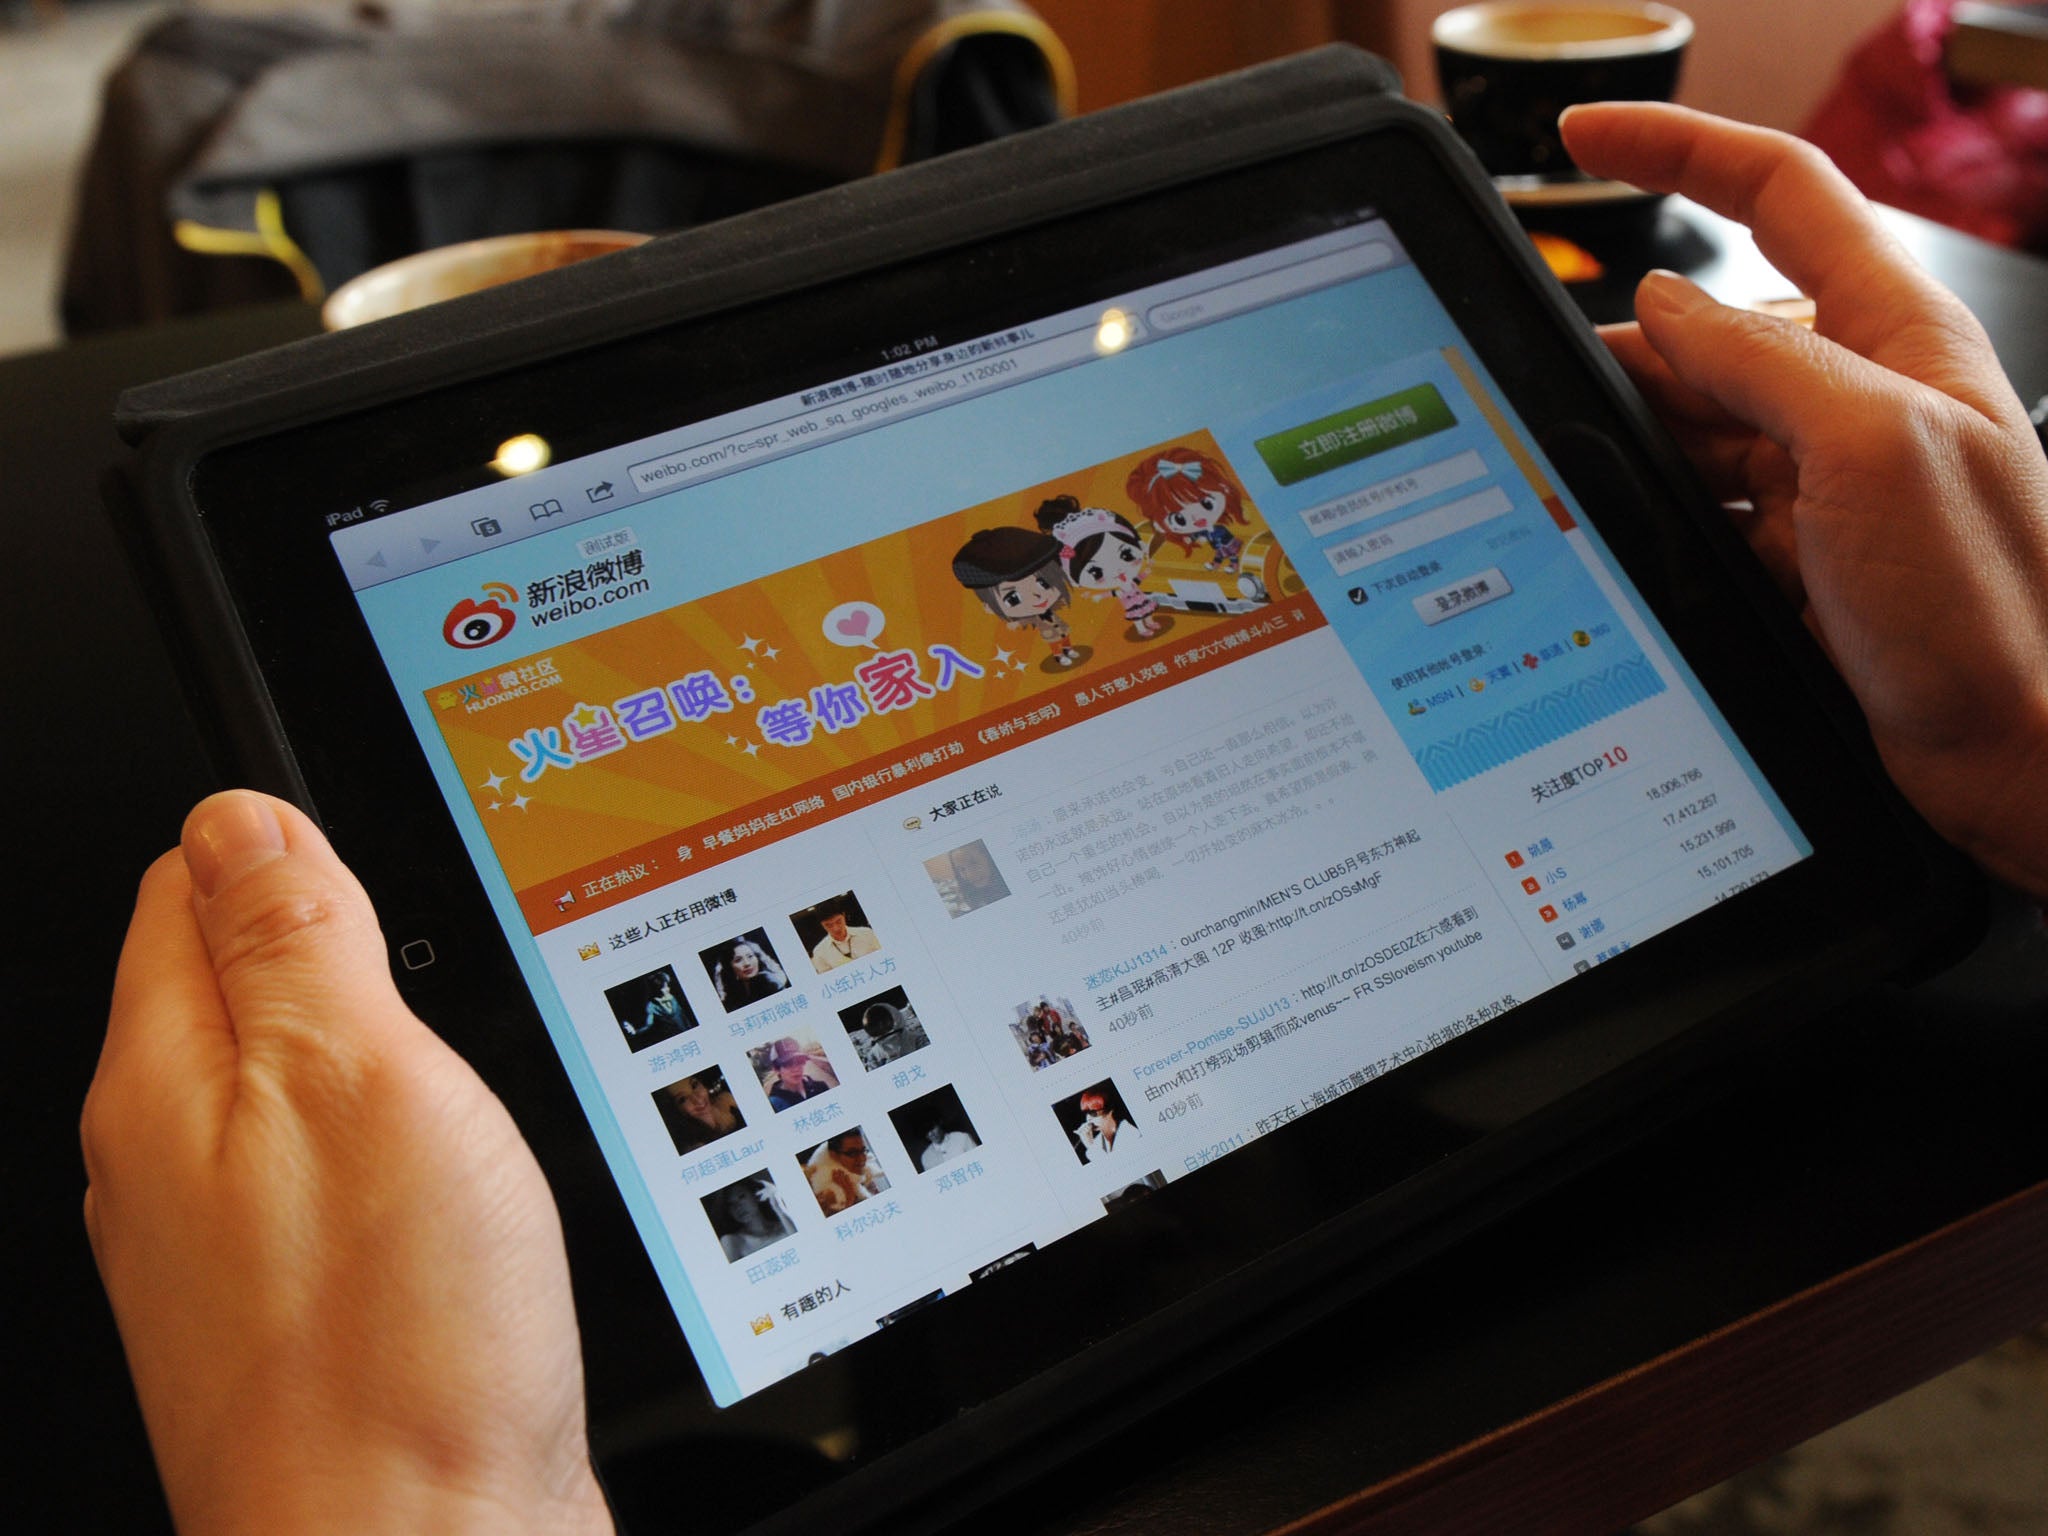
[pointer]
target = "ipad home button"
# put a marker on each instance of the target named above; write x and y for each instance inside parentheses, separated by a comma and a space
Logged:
(416, 955)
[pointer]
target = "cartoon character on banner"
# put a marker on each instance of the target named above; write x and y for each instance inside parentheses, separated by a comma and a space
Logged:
(1191, 499)
(1104, 553)
(1017, 575)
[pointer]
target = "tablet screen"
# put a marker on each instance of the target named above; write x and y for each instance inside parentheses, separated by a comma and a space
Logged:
(939, 806)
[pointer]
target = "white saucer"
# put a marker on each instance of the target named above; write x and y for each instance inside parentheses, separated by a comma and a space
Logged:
(1573, 192)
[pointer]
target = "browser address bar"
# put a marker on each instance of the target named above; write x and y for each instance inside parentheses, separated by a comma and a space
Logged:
(721, 455)
(806, 429)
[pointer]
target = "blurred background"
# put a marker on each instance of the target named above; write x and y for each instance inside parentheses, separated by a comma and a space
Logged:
(1764, 61)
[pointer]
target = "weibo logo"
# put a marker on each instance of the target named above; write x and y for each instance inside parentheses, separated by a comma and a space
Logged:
(471, 624)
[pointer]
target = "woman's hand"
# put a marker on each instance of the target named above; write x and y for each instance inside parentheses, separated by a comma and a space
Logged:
(1892, 482)
(337, 1270)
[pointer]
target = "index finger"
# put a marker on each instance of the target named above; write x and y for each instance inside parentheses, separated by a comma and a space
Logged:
(1810, 223)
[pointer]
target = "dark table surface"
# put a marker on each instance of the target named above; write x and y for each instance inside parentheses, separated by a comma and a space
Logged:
(1861, 1205)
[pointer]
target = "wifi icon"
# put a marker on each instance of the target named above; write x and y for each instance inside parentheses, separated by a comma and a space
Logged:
(378, 508)
(500, 592)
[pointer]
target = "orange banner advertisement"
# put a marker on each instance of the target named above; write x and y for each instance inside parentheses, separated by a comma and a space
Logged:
(605, 766)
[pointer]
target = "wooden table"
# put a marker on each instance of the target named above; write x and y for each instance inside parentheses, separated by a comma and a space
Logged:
(1860, 1207)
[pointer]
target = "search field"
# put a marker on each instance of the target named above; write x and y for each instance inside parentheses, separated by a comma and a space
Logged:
(1270, 287)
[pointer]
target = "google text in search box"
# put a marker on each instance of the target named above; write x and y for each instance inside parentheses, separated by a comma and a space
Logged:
(1257, 292)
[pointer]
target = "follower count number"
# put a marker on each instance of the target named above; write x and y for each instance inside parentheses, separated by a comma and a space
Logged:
(1692, 808)
(1726, 862)
(1674, 785)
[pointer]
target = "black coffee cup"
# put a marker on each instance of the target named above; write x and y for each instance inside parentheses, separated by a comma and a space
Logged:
(1509, 67)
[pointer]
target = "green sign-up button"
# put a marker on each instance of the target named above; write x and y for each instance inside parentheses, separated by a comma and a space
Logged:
(1355, 434)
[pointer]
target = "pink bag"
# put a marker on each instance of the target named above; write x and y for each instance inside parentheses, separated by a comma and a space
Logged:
(1975, 158)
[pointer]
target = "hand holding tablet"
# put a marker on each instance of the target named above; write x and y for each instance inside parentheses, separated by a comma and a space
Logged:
(337, 1271)
(1895, 486)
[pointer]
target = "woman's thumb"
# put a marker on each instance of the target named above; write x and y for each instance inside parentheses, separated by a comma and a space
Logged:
(293, 940)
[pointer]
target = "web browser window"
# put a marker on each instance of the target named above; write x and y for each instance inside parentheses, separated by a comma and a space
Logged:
(940, 807)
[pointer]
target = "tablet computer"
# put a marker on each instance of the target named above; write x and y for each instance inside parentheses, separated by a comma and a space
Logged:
(1023, 772)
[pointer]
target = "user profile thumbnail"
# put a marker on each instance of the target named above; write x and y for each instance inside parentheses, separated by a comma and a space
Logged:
(744, 970)
(748, 1215)
(966, 878)
(698, 1109)
(883, 1028)
(792, 1070)
(843, 1171)
(835, 931)
(1098, 1126)
(650, 1009)
(935, 1129)
(1047, 1031)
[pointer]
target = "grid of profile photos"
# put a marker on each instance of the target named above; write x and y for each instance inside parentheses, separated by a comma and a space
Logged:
(819, 1166)
(831, 1170)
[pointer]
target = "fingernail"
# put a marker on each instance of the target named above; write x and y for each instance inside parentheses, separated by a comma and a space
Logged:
(1669, 294)
(228, 835)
